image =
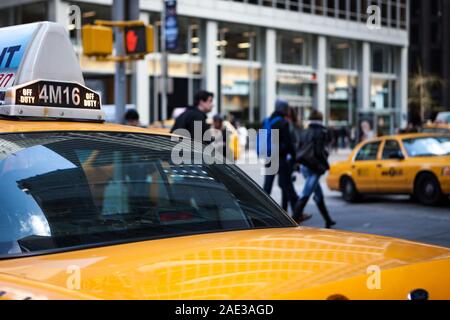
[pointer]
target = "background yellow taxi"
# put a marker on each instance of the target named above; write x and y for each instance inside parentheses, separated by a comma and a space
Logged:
(416, 164)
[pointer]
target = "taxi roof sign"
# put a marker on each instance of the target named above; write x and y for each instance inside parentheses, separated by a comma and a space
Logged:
(40, 75)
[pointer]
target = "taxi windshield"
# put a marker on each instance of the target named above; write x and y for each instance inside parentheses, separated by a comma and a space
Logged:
(427, 146)
(68, 190)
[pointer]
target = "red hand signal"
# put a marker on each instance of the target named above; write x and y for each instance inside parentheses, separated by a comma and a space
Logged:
(132, 40)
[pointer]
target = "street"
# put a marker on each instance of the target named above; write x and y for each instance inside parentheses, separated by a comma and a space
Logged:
(393, 216)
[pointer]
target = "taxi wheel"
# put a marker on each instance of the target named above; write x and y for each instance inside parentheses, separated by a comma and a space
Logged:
(349, 191)
(428, 190)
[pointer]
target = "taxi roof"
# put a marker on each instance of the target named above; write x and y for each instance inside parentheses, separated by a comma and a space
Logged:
(407, 136)
(15, 126)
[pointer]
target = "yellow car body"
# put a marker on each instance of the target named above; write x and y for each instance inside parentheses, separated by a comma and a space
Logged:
(268, 263)
(384, 175)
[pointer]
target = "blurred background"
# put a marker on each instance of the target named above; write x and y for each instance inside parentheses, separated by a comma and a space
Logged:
(309, 52)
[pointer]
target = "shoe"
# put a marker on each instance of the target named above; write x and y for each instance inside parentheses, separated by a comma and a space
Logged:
(329, 224)
(324, 212)
(303, 217)
(299, 206)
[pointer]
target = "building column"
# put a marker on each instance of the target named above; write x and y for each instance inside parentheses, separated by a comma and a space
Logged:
(210, 63)
(140, 83)
(58, 12)
(365, 77)
(403, 79)
(322, 76)
(270, 76)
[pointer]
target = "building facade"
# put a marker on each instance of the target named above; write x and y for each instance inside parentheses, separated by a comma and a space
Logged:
(314, 53)
(429, 52)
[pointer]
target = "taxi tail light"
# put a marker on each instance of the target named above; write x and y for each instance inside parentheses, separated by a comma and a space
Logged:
(175, 216)
(446, 171)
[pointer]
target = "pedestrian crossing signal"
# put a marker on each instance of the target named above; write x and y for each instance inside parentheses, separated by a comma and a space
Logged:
(138, 40)
(98, 40)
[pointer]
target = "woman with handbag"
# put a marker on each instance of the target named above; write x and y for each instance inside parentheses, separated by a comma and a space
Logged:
(313, 159)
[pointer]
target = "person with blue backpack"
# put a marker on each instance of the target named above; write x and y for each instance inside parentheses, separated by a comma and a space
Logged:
(284, 147)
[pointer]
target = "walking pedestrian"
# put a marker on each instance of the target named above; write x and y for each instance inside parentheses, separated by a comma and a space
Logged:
(203, 104)
(286, 154)
(295, 130)
(313, 159)
(132, 118)
(221, 138)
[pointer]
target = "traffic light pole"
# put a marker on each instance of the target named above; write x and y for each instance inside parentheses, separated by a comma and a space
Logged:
(120, 77)
(164, 63)
(134, 14)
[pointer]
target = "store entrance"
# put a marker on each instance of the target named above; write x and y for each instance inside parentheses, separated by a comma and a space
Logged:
(375, 124)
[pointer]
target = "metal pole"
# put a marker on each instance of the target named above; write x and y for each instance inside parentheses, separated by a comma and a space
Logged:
(133, 14)
(251, 117)
(120, 77)
(164, 63)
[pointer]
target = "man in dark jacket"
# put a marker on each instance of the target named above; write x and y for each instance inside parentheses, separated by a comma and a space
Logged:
(203, 103)
(313, 158)
(286, 154)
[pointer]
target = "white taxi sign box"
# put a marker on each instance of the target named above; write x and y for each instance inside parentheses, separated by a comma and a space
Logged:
(40, 75)
(52, 99)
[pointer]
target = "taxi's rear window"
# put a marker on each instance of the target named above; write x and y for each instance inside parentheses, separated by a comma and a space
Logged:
(68, 190)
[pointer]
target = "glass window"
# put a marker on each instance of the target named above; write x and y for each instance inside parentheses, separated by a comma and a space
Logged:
(293, 48)
(239, 89)
(368, 152)
(394, 15)
(34, 12)
(331, 8)
(403, 14)
(307, 6)
(382, 59)
(353, 10)
(189, 39)
(342, 54)
(363, 9)
(319, 8)
(77, 189)
(294, 5)
(4, 18)
(427, 146)
(296, 88)
(342, 9)
(391, 147)
(382, 93)
(342, 98)
(237, 42)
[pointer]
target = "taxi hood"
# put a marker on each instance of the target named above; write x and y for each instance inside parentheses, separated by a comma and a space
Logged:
(285, 263)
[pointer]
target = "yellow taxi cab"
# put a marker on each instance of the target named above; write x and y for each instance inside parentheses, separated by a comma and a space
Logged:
(417, 164)
(90, 210)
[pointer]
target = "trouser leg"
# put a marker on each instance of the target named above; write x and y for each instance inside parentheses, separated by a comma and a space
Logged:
(320, 202)
(288, 193)
(311, 181)
(268, 183)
